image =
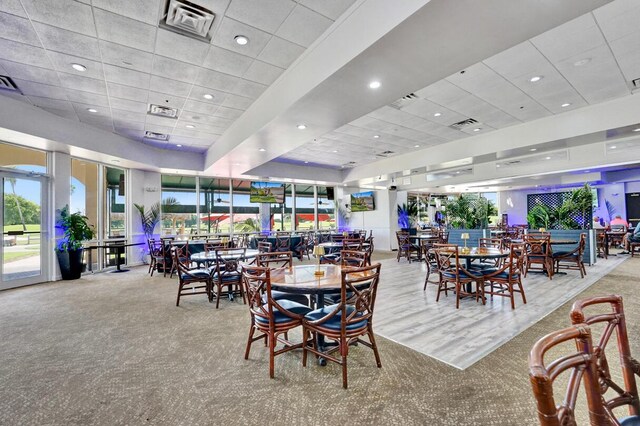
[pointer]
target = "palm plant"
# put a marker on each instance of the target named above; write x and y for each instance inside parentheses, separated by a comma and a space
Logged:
(247, 225)
(460, 212)
(539, 217)
(148, 219)
(407, 214)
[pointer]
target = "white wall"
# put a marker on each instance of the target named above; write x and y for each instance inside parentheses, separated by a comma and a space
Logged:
(143, 188)
(614, 193)
(60, 169)
(514, 203)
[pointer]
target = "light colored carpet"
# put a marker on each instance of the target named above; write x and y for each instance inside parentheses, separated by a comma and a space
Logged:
(113, 349)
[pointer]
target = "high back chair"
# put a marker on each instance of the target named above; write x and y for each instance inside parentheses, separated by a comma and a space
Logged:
(455, 277)
(283, 242)
(572, 259)
(179, 251)
(346, 321)
(275, 259)
(406, 247)
(271, 318)
(352, 243)
(226, 273)
(190, 281)
(354, 258)
(507, 279)
(581, 367)
(264, 247)
(613, 394)
(538, 252)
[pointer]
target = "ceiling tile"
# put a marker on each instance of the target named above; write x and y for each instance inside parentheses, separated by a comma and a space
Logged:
(68, 114)
(126, 76)
(618, 18)
(126, 124)
(18, 29)
(51, 103)
(64, 41)
(226, 61)
(248, 89)
(126, 57)
(229, 113)
(87, 98)
(521, 61)
(166, 100)
(176, 70)
(238, 102)
(126, 115)
(216, 80)
(229, 29)
(576, 36)
(83, 111)
(122, 30)
(85, 84)
(181, 48)
(627, 55)
(12, 6)
(160, 121)
(332, 9)
(36, 89)
(303, 26)
(30, 73)
(127, 105)
(265, 14)
(280, 53)
(200, 107)
(67, 14)
(24, 54)
(197, 94)
(142, 10)
(262, 72)
(172, 87)
(63, 63)
(127, 92)
(199, 118)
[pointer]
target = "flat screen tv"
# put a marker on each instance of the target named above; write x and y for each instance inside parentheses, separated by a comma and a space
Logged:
(362, 202)
(266, 192)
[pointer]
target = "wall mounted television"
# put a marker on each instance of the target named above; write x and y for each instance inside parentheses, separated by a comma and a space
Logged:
(362, 202)
(266, 192)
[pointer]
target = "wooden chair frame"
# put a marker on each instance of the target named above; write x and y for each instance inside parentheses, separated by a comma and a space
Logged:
(188, 279)
(538, 252)
(507, 279)
(406, 247)
(361, 302)
(573, 259)
(450, 273)
(226, 273)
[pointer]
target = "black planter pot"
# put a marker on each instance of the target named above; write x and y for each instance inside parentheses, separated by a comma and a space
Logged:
(70, 264)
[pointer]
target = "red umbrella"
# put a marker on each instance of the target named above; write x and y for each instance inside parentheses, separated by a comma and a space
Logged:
(215, 218)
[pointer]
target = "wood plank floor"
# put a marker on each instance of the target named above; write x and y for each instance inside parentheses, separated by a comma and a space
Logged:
(460, 337)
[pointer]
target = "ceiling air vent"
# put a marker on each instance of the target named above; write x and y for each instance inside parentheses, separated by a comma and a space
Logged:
(464, 123)
(384, 154)
(156, 136)
(406, 100)
(163, 111)
(7, 84)
(188, 18)
(636, 82)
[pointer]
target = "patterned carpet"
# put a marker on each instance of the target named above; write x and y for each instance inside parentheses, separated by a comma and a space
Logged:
(113, 350)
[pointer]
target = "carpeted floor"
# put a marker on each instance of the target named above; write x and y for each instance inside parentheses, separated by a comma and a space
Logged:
(113, 349)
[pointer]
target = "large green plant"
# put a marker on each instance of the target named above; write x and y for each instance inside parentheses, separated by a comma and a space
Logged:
(540, 216)
(483, 209)
(247, 225)
(575, 212)
(148, 219)
(407, 214)
(460, 212)
(76, 229)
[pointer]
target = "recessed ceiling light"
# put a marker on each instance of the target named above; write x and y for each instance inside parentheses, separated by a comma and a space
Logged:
(535, 78)
(207, 96)
(92, 110)
(582, 62)
(190, 126)
(547, 158)
(565, 105)
(437, 114)
(613, 147)
(458, 172)
(262, 150)
(241, 40)
(301, 126)
(374, 85)
(306, 162)
(179, 145)
(79, 67)
(334, 151)
(416, 146)
(498, 165)
(533, 149)
(377, 136)
(115, 161)
(477, 129)
(637, 130)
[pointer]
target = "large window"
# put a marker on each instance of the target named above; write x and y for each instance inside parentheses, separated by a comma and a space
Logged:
(17, 157)
(281, 213)
(305, 219)
(114, 202)
(246, 215)
(84, 189)
(178, 205)
(215, 216)
(326, 210)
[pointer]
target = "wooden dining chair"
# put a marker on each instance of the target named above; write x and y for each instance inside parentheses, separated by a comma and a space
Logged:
(538, 252)
(226, 273)
(302, 248)
(181, 250)
(264, 247)
(456, 278)
(158, 257)
(346, 321)
(406, 247)
(190, 281)
(608, 318)
(354, 258)
(275, 259)
(270, 318)
(283, 242)
(572, 259)
(581, 369)
(506, 279)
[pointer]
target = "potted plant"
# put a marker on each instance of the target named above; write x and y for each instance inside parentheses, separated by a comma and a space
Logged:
(76, 229)
(148, 219)
(407, 215)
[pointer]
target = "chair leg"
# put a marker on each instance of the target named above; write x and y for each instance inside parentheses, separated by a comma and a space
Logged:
(252, 329)
(426, 280)
(344, 351)
(524, 298)
(179, 291)
(374, 346)
(219, 290)
(305, 338)
(272, 356)
(458, 295)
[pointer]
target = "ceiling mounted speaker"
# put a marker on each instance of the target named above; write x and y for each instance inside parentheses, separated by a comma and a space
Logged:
(188, 18)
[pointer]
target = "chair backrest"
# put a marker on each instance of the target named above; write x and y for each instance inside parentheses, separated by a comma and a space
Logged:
(352, 243)
(447, 259)
(581, 366)
(537, 245)
(443, 234)
(612, 321)
(283, 241)
(228, 261)
(582, 245)
(273, 260)
(264, 246)
(256, 281)
(180, 260)
(213, 246)
(336, 238)
(354, 258)
(403, 238)
(490, 243)
(359, 288)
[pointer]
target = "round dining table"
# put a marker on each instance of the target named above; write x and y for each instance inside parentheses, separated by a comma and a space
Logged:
(331, 246)
(210, 256)
(480, 253)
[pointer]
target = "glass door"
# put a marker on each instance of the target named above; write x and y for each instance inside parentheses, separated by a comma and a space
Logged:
(23, 224)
